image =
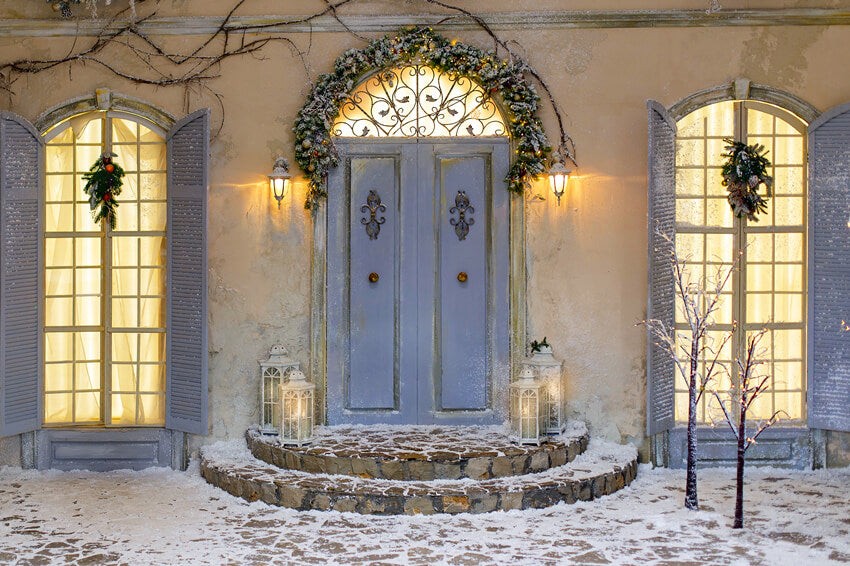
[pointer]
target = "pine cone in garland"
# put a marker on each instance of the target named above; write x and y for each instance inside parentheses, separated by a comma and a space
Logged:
(743, 172)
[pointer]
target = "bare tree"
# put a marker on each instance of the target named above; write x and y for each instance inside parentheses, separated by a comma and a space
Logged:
(699, 300)
(748, 388)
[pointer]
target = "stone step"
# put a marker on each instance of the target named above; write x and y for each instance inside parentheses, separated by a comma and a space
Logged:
(602, 469)
(419, 453)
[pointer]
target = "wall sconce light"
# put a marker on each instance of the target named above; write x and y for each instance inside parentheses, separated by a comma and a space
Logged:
(559, 176)
(280, 180)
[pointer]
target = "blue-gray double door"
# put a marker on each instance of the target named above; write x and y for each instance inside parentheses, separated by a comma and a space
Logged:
(417, 283)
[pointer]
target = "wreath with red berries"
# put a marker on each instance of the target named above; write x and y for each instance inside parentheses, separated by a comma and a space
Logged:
(103, 184)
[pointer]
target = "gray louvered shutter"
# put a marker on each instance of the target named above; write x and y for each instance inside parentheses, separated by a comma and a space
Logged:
(829, 270)
(21, 158)
(660, 299)
(188, 172)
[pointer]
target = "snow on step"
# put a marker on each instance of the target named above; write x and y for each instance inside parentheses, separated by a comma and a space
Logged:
(419, 453)
(602, 469)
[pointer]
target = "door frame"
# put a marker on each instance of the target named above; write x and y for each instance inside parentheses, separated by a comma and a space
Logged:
(517, 285)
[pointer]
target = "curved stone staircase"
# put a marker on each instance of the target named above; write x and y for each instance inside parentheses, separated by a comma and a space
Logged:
(386, 470)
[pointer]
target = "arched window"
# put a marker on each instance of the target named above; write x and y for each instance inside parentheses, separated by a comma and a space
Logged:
(418, 101)
(769, 288)
(105, 289)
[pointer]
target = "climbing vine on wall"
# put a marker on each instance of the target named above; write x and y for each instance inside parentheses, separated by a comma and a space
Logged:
(314, 148)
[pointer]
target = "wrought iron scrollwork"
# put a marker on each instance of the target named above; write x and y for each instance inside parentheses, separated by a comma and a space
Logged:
(373, 222)
(418, 101)
(462, 222)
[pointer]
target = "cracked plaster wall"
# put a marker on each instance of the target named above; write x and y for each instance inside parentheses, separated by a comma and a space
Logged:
(586, 258)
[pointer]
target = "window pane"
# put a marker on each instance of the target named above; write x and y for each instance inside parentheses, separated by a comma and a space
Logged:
(124, 409)
(153, 251)
(689, 247)
(87, 311)
(788, 211)
(128, 217)
(152, 347)
(59, 251)
(124, 378)
(58, 346)
(788, 180)
(58, 218)
(57, 407)
(152, 313)
(86, 376)
(152, 409)
(152, 157)
(84, 221)
(127, 156)
(87, 155)
(125, 313)
(690, 152)
(58, 282)
(760, 248)
(152, 281)
(152, 186)
(690, 212)
(690, 181)
(125, 251)
(58, 311)
(59, 377)
(87, 345)
(789, 247)
(152, 217)
(87, 251)
(59, 187)
(59, 158)
(152, 378)
(125, 281)
(125, 346)
(88, 281)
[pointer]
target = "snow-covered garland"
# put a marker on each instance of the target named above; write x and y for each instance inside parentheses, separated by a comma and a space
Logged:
(314, 149)
(744, 171)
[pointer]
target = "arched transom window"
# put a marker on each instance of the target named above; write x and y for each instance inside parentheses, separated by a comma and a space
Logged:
(418, 101)
(769, 289)
(104, 323)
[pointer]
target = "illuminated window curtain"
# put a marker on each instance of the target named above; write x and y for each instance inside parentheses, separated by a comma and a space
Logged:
(105, 289)
(769, 288)
(418, 101)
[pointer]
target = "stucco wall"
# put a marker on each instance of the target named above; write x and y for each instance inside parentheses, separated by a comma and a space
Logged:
(586, 258)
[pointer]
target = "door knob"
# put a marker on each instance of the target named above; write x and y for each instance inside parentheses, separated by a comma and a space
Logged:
(462, 277)
(373, 277)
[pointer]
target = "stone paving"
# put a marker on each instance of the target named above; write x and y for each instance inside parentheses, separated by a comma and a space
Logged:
(165, 517)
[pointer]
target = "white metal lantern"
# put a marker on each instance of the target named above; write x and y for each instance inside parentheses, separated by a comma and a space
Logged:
(553, 392)
(273, 371)
(280, 180)
(559, 176)
(526, 408)
(296, 410)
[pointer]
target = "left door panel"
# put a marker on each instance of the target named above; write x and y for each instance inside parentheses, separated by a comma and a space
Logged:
(371, 296)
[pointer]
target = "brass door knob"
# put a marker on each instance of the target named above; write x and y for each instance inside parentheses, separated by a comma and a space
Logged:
(373, 277)
(462, 277)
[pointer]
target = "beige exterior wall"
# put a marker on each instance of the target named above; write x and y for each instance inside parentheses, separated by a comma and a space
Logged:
(586, 258)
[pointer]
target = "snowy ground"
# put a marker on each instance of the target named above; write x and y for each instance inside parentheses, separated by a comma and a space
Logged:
(166, 517)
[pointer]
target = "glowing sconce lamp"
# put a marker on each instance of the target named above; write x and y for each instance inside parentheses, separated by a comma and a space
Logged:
(296, 410)
(526, 408)
(559, 176)
(280, 181)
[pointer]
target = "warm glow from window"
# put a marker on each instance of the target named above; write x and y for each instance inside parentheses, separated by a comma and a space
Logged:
(770, 289)
(105, 289)
(418, 101)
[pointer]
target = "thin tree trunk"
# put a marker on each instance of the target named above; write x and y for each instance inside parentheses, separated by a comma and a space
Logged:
(742, 446)
(691, 500)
